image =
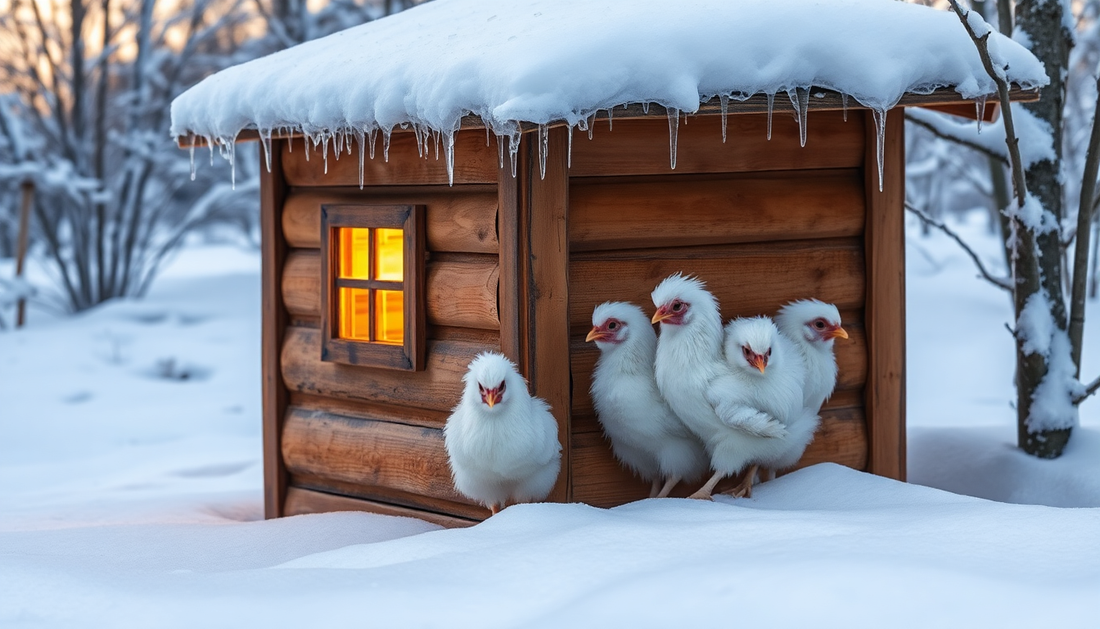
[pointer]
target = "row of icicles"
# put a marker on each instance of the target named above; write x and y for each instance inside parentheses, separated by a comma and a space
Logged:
(426, 137)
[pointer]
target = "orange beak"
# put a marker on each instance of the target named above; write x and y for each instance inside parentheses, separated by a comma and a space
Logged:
(493, 396)
(661, 314)
(597, 334)
(837, 333)
(758, 361)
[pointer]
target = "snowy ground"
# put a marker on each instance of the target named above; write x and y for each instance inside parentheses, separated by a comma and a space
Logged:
(130, 496)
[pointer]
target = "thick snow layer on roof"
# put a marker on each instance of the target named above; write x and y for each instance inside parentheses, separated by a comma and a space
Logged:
(544, 61)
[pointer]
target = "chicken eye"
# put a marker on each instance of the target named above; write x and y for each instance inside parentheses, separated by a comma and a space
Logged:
(677, 306)
(612, 325)
(501, 387)
(746, 352)
(769, 354)
(480, 388)
(819, 324)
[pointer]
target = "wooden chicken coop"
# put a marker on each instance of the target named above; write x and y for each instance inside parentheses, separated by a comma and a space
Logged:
(376, 299)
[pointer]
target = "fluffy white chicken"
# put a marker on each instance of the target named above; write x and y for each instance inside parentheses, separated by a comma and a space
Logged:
(773, 374)
(813, 326)
(646, 436)
(699, 386)
(502, 443)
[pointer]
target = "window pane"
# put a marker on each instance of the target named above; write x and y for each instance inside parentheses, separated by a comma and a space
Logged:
(355, 314)
(390, 253)
(354, 253)
(390, 311)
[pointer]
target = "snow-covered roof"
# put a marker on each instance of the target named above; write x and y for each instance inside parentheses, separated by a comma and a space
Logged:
(545, 61)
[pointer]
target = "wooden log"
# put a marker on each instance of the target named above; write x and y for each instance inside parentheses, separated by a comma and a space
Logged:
(399, 457)
(885, 318)
(599, 480)
(355, 409)
(747, 279)
(851, 357)
(273, 326)
(459, 293)
(459, 219)
(474, 162)
(300, 501)
(641, 147)
(389, 496)
(680, 211)
(438, 387)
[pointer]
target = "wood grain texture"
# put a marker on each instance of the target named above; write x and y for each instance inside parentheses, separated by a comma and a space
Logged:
(301, 501)
(459, 219)
(687, 210)
(399, 457)
(474, 162)
(641, 147)
(747, 279)
(273, 323)
(599, 480)
(885, 317)
(438, 387)
(510, 296)
(851, 362)
(460, 293)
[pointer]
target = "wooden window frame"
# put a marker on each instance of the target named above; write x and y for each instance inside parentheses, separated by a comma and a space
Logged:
(409, 356)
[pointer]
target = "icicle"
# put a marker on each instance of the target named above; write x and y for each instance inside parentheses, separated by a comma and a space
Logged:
(979, 109)
(725, 102)
(233, 163)
(880, 129)
(210, 145)
(610, 118)
(487, 142)
(386, 144)
(305, 142)
(372, 135)
(591, 126)
(337, 146)
(324, 149)
(192, 150)
(500, 150)
(645, 108)
(844, 105)
(435, 140)
(513, 148)
(800, 100)
(419, 142)
(347, 140)
(569, 151)
(290, 141)
(265, 140)
(362, 149)
(771, 105)
(673, 133)
(544, 147)
(449, 154)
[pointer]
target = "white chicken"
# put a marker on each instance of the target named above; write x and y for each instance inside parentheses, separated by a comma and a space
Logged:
(646, 436)
(694, 378)
(813, 326)
(502, 443)
(773, 374)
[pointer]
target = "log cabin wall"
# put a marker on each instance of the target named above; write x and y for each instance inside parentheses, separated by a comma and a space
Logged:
(762, 222)
(365, 438)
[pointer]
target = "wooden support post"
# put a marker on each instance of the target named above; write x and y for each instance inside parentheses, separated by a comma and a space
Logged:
(274, 317)
(27, 189)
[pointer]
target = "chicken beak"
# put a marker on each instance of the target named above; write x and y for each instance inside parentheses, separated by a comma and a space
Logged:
(596, 334)
(838, 333)
(661, 314)
(758, 361)
(492, 397)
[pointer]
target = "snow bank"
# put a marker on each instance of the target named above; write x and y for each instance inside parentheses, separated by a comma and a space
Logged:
(543, 61)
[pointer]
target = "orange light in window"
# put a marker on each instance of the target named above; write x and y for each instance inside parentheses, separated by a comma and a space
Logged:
(355, 253)
(355, 313)
(389, 311)
(389, 252)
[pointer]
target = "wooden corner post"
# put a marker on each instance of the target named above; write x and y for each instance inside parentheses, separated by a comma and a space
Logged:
(274, 317)
(884, 242)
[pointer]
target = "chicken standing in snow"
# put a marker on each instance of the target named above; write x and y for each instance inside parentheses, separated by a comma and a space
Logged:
(813, 326)
(695, 379)
(646, 436)
(773, 374)
(502, 443)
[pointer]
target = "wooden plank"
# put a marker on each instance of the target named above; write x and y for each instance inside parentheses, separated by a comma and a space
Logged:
(512, 275)
(851, 361)
(461, 293)
(474, 162)
(885, 314)
(410, 459)
(459, 219)
(273, 324)
(545, 200)
(687, 210)
(437, 387)
(300, 501)
(746, 279)
(641, 147)
(599, 480)
(386, 495)
(357, 409)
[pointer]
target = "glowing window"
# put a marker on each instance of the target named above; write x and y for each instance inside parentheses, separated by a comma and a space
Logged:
(372, 285)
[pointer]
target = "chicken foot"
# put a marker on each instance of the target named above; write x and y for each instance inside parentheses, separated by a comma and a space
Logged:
(704, 492)
(744, 488)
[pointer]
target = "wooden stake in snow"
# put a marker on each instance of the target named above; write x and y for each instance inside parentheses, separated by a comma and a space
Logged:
(21, 247)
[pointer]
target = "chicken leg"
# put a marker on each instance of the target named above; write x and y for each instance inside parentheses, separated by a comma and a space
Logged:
(704, 492)
(744, 488)
(655, 489)
(667, 489)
